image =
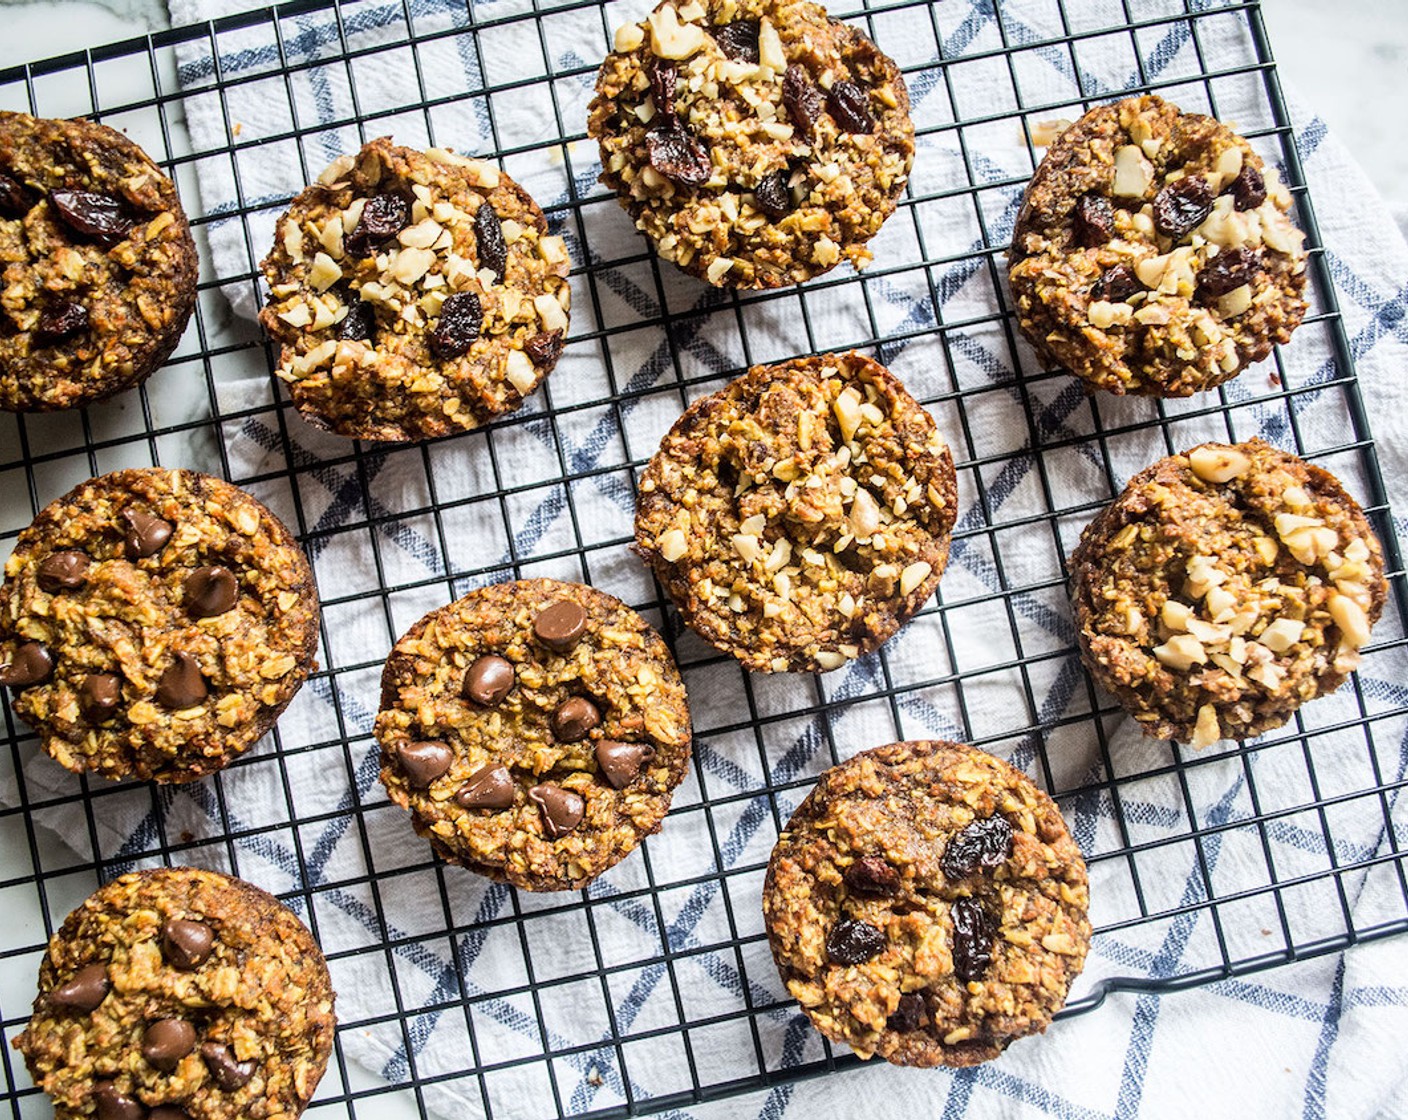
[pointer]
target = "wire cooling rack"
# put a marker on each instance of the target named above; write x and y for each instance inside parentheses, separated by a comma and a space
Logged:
(654, 989)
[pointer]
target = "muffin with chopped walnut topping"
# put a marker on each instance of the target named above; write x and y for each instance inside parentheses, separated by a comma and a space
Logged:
(757, 142)
(801, 515)
(1224, 588)
(1154, 252)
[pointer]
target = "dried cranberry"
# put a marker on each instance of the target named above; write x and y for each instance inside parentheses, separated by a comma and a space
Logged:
(544, 349)
(360, 323)
(985, 843)
(1094, 223)
(739, 39)
(663, 79)
(802, 98)
(99, 216)
(14, 199)
(383, 217)
(489, 235)
(461, 316)
(60, 321)
(1248, 189)
(1181, 205)
(972, 939)
(1230, 269)
(909, 1015)
(871, 875)
(677, 155)
(1116, 284)
(850, 105)
(853, 941)
(772, 196)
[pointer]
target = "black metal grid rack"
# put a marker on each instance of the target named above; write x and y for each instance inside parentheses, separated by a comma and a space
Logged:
(1204, 866)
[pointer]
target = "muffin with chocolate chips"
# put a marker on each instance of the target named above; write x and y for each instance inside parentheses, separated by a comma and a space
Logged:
(1154, 252)
(536, 730)
(1224, 588)
(414, 294)
(154, 623)
(757, 142)
(180, 994)
(99, 264)
(801, 515)
(925, 903)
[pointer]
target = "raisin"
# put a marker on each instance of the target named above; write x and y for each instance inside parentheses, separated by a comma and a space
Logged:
(1230, 269)
(1094, 220)
(772, 196)
(90, 214)
(909, 1015)
(677, 155)
(802, 98)
(493, 253)
(739, 39)
(663, 78)
(14, 199)
(850, 105)
(544, 349)
(972, 939)
(1248, 189)
(1116, 284)
(461, 316)
(383, 216)
(871, 875)
(853, 941)
(360, 323)
(1181, 205)
(60, 321)
(985, 843)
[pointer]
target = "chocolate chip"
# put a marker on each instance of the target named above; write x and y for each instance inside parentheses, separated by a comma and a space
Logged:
(359, 325)
(146, 535)
(574, 719)
(678, 154)
(1093, 220)
(60, 321)
(168, 1112)
(186, 944)
(166, 1042)
(90, 214)
(489, 787)
(100, 695)
(802, 98)
(850, 106)
(985, 843)
(88, 988)
(211, 591)
(772, 196)
(1248, 189)
(663, 78)
(31, 663)
(424, 762)
(909, 1015)
(852, 941)
(620, 763)
(561, 626)
(544, 349)
(63, 571)
(14, 199)
(972, 939)
(1182, 205)
(1230, 269)
(871, 875)
(739, 39)
(383, 217)
(182, 685)
(1116, 284)
(113, 1105)
(488, 680)
(461, 317)
(489, 239)
(561, 808)
(225, 1070)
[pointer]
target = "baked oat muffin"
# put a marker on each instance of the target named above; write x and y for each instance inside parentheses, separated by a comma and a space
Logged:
(801, 515)
(99, 266)
(180, 994)
(926, 903)
(757, 142)
(1224, 588)
(414, 295)
(154, 623)
(1154, 253)
(536, 730)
